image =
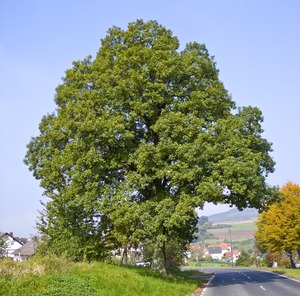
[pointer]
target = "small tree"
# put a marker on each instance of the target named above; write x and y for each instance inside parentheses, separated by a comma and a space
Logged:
(3, 247)
(245, 259)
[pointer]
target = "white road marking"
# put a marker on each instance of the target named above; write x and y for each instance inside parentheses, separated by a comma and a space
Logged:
(245, 275)
(262, 288)
(207, 285)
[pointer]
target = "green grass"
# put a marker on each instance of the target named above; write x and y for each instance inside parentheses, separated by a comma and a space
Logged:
(294, 273)
(208, 264)
(35, 278)
(236, 227)
(244, 226)
(239, 231)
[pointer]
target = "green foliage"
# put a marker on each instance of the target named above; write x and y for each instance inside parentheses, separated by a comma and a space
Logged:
(69, 285)
(92, 279)
(3, 247)
(141, 136)
(175, 253)
(245, 259)
(219, 226)
(49, 264)
(247, 245)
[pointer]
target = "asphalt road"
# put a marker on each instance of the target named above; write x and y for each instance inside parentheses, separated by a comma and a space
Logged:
(242, 282)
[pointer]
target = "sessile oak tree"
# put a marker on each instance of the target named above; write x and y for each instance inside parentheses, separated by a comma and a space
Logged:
(141, 136)
(279, 226)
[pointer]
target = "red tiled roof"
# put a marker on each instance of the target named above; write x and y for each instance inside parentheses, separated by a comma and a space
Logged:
(224, 246)
(234, 253)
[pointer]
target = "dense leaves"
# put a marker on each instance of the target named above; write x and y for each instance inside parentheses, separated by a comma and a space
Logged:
(279, 226)
(245, 259)
(142, 135)
(3, 247)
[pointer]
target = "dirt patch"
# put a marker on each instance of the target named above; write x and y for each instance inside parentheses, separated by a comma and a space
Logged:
(198, 291)
(205, 279)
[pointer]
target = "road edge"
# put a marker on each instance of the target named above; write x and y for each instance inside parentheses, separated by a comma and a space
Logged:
(277, 273)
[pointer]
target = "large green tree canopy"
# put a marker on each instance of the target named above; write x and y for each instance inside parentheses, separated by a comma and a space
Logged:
(142, 135)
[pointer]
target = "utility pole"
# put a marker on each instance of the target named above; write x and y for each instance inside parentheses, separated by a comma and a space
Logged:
(231, 251)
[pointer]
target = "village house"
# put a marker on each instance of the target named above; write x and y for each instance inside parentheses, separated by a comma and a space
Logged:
(12, 244)
(194, 250)
(235, 256)
(16, 248)
(215, 252)
(25, 251)
(225, 248)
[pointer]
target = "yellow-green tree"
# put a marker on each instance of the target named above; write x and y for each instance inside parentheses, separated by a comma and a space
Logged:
(279, 226)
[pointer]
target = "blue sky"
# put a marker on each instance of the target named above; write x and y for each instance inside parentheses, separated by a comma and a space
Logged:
(256, 45)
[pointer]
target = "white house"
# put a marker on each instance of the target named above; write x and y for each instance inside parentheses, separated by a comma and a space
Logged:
(12, 244)
(215, 252)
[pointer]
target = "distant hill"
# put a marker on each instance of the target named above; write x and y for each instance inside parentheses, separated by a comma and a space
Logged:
(234, 215)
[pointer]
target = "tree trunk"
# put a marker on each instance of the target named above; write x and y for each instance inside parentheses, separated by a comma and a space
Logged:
(165, 257)
(159, 260)
(291, 260)
(124, 256)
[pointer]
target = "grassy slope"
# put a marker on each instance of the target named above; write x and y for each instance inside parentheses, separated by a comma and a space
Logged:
(239, 231)
(293, 273)
(234, 215)
(242, 224)
(52, 278)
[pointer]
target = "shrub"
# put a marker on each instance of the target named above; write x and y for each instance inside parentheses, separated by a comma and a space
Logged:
(245, 259)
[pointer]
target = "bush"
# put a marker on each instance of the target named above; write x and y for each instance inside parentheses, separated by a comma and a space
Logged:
(245, 259)
(49, 265)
